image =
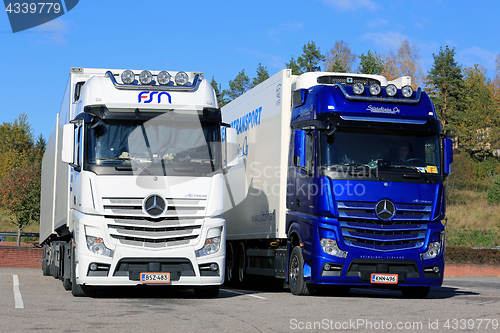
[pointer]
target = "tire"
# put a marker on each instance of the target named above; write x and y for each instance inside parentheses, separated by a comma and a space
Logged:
(296, 273)
(67, 284)
(77, 290)
(241, 275)
(206, 292)
(53, 267)
(45, 261)
(415, 292)
(230, 269)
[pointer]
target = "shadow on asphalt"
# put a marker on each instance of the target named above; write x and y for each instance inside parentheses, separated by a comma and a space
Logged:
(260, 285)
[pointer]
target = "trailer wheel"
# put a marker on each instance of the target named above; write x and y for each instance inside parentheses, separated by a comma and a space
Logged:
(241, 264)
(45, 259)
(77, 290)
(415, 292)
(230, 264)
(67, 284)
(206, 292)
(296, 273)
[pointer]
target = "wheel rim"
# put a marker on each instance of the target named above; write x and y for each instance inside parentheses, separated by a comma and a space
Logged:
(294, 270)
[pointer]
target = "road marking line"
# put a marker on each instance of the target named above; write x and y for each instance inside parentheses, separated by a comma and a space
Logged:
(240, 293)
(17, 294)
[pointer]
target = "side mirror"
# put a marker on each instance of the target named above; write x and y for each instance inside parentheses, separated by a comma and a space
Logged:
(448, 156)
(68, 143)
(231, 147)
(299, 149)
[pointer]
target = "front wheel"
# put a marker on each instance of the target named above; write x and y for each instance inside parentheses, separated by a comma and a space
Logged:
(77, 290)
(296, 273)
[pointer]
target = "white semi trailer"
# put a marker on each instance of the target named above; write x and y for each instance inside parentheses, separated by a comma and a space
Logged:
(132, 182)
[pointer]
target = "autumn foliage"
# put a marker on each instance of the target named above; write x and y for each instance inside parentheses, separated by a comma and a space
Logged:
(20, 172)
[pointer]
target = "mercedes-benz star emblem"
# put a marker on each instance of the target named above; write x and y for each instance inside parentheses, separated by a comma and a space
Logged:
(385, 210)
(155, 205)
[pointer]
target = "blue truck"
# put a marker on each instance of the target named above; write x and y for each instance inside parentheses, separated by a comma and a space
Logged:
(339, 184)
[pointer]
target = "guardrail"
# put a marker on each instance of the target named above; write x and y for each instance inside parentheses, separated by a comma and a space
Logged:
(14, 234)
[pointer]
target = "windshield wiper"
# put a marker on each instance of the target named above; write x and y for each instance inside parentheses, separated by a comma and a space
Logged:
(193, 165)
(413, 168)
(126, 159)
(365, 166)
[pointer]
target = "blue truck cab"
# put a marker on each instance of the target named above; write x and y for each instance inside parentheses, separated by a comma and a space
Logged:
(365, 186)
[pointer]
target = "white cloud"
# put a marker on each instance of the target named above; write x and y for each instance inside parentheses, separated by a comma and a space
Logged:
(377, 23)
(346, 5)
(389, 40)
(476, 55)
(275, 33)
(52, 31)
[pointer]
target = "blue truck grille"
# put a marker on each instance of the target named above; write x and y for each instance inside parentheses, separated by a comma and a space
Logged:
(361, 227)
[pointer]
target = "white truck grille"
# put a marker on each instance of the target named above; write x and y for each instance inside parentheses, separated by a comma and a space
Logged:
(179, 225)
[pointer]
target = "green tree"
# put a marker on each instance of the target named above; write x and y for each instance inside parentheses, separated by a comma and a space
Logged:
(340, 59)
(20, 195)
(446, 86)
(477, 126)
(20, 174)
(16, 145)
(371, 63)
(262, 75)
(296, 70)
(493, 195)
(219, 93)
(309, 60)
(238, 86)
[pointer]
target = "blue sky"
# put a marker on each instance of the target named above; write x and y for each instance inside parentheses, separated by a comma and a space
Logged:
(220, 38)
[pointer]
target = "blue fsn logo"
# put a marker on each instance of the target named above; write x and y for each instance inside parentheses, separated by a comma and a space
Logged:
(149, 96)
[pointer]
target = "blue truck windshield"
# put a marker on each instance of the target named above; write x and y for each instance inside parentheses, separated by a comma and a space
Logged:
(388, 149)
(155, 146)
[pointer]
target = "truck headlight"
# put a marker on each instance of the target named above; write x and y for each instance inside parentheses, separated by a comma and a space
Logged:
(163, 78)
(96, 245)
(128, 77)
(145, 77)
(358, 88)
(435, 246)
(181, 78)
(330, 247)
(212, 245)
(407, 91)
(391, 90)
(374, 89)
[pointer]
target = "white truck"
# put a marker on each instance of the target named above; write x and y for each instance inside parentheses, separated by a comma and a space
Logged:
(132, 182)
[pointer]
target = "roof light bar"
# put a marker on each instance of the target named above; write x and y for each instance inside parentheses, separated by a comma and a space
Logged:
(161, 81)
